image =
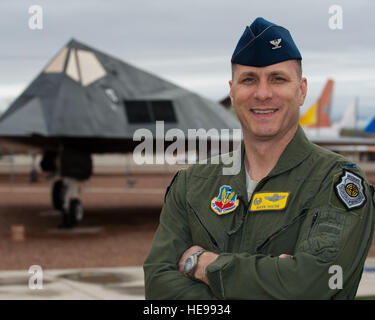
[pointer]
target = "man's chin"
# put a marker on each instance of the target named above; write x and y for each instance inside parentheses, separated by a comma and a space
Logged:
(265, 134)
(264, 137)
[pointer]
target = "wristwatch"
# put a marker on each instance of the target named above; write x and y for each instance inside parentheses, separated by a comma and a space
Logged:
(191, 263)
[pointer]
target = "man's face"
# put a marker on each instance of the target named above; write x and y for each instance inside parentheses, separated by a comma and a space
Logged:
(267, 99)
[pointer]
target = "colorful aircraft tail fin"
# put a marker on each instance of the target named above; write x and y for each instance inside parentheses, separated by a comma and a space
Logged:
(309, 118)
(318, 114)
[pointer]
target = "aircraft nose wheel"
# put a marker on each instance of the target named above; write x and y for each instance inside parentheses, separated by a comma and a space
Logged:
(65, 199)
(75, 211)
(73, 215)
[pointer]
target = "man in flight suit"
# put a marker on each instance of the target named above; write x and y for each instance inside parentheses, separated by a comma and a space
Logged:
(294, 210)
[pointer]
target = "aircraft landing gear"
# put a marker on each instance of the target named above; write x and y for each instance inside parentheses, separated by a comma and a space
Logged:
(73, 215)
(75, 211)
(58, 194)
(73, 166)
(65, 199)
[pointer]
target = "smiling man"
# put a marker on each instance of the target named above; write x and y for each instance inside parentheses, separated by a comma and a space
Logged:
(275, 229)
(267, 101)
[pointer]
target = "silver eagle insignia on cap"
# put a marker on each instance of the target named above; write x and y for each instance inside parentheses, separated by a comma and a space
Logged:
(276, 43)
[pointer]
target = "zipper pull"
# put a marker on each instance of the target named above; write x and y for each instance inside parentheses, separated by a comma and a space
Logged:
(314, 219)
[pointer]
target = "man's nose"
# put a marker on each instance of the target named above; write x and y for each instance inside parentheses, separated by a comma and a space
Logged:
(263, 91)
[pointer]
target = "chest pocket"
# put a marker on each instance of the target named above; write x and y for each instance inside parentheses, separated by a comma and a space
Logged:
(283, 240)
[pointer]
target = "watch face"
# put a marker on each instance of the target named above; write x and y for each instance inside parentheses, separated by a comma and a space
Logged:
(188, 264)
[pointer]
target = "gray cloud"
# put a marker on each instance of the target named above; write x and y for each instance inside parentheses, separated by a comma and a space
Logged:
(190, 42)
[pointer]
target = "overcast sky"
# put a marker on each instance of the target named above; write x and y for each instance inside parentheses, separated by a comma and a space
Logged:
(190, 42)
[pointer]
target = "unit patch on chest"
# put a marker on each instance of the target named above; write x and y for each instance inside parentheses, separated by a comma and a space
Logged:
(226, 201)
(268, 201)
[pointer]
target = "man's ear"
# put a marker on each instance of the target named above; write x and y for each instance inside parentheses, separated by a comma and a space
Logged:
(303, 88)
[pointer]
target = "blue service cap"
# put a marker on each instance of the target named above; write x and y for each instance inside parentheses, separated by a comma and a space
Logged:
(264, 43)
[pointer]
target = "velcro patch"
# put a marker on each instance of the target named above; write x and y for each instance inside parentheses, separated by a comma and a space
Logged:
(348, 166)
(350, 190)
(268, 201)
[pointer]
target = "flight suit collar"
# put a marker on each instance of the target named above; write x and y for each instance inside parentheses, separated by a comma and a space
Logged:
(298, 149)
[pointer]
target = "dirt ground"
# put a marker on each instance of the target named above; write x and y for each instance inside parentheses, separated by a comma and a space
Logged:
(117, 229)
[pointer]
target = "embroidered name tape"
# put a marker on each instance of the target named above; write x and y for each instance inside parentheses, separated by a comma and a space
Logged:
(225, 202)
(268, 201)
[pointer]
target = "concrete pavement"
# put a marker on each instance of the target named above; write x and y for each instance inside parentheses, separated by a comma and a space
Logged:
(367, 284)
(74, 284)
(126, 283)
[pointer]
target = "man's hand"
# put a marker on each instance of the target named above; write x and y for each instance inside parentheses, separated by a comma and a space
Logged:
(203, 261)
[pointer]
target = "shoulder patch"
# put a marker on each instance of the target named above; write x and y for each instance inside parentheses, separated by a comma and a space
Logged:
(170, 185)
(350, 190)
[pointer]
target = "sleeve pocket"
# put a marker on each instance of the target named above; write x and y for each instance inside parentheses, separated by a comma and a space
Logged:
(325, 234)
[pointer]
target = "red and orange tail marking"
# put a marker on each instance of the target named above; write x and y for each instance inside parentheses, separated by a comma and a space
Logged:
(318, 114)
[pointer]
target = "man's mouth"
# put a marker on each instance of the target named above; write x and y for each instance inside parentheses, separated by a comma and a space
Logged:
(263, 111)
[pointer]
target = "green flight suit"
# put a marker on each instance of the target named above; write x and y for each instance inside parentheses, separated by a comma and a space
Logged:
(316, 227)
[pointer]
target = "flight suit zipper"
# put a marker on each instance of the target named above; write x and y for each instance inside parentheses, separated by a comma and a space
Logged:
(314, 218)
(244, 245)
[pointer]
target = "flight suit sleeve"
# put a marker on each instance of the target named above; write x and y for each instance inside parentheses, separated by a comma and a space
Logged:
(332, 238)
(172, 238)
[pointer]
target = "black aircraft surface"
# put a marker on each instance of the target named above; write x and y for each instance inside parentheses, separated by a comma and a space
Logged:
(86, 102)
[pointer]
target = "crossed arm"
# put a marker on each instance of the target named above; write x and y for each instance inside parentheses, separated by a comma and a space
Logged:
(204, 260)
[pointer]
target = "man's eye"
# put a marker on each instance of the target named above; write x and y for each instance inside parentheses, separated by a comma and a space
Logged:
(278, 79)
(249, 80)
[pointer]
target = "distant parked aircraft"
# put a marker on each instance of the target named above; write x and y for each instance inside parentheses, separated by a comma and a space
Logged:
(84, 102)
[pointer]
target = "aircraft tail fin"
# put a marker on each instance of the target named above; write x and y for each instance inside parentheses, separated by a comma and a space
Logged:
(318, 115)
(350, 116)
(309, 118)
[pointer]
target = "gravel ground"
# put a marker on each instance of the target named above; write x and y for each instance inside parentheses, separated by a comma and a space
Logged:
(117, 229)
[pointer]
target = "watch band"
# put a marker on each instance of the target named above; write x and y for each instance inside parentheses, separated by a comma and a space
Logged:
(194, 257)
